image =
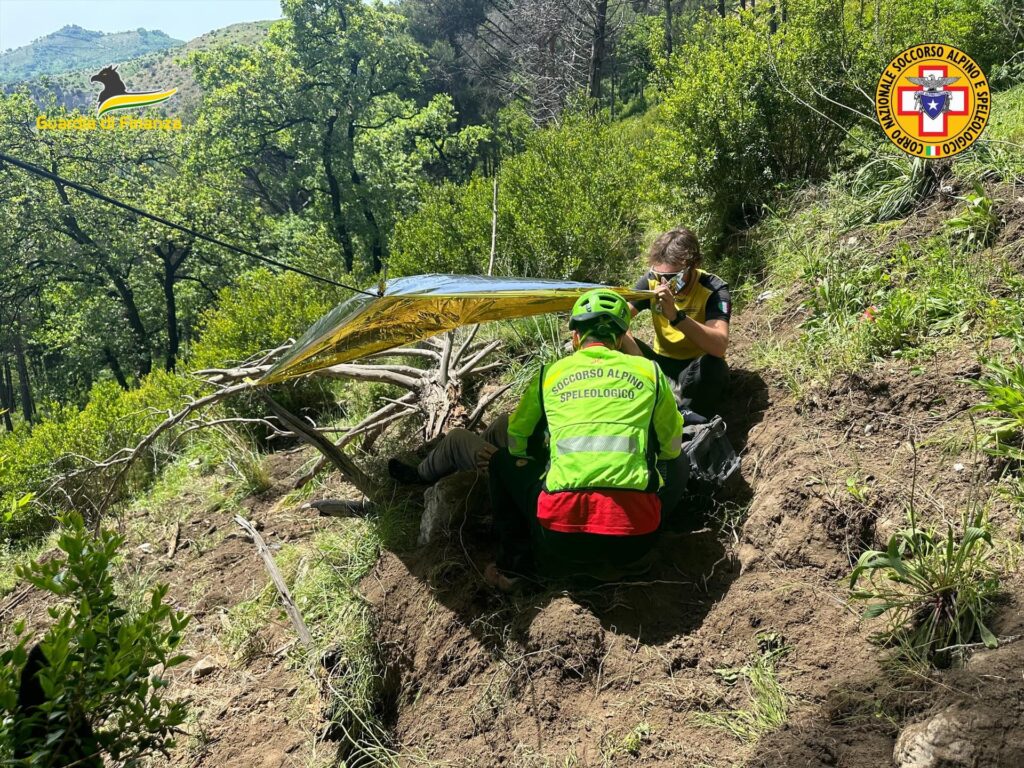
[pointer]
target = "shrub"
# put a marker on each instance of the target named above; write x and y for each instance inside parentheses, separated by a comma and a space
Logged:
(934, 589)
(69, 439)
(570, 206)
(740, 100)
(261, 311)
(102, 664)
(1003, 406)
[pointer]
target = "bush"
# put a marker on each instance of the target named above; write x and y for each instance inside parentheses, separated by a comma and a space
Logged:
(934, 589)
(261, 311)
(69, 439)
(102, 665)
(739, 98)
(570, 206)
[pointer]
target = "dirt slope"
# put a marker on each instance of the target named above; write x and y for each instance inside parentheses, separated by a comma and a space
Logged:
(620, 675)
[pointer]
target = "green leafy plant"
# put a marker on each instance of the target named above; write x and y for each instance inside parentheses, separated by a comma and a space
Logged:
(768, 705)
(1003, 406)
(858, 489)
(888, 187)
(976, 226)
(933, 589)
(103, 664)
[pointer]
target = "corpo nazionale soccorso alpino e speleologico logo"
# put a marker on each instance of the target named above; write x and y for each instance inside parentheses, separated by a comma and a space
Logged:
(932, 101)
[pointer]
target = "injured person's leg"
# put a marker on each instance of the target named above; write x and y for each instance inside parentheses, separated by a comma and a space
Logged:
(459, 451)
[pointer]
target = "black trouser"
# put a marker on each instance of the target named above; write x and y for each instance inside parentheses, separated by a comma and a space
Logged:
(703, 381)
(525, 547)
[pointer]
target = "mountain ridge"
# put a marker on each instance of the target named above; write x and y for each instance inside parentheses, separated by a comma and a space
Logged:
(155, 70)
(73, 47)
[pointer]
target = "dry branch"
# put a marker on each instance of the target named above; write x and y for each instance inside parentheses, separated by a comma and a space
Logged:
(275, 576)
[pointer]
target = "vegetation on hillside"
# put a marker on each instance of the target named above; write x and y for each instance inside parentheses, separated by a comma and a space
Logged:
(362, 140)
(72, 47)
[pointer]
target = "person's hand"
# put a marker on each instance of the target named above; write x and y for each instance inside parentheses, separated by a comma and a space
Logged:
(665, 301)
(483, 456)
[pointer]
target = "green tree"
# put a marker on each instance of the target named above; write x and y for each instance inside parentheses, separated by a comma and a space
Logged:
(102, 665)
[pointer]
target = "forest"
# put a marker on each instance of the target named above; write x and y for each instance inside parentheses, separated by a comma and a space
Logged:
(880, 338)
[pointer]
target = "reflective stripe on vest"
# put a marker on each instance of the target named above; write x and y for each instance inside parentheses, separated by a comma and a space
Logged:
(609, 443)
(517, 445)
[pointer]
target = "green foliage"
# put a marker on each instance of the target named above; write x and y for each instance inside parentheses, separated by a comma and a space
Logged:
(70, 439)
(888, 186)
(570, 206)
(105, 665)
(739, 99)
(1003, 406)
(976, 226)
(259, 312)
(934, 590)
(768, 705)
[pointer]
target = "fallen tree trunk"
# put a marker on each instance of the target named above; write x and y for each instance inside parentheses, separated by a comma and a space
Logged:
(435, 393)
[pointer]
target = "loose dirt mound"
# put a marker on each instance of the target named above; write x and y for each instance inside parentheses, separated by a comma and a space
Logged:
(618, 675)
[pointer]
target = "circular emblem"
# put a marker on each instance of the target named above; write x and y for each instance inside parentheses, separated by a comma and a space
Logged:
(932, 101)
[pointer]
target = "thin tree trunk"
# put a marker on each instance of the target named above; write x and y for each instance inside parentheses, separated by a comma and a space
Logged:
(721, 8)
(131, 309)
(341, 233)
(172, 258)
(358, 185)
(7, 394)
(494, 226)
(668, 29)
(27, 407)
(115, 367)
(597, 48)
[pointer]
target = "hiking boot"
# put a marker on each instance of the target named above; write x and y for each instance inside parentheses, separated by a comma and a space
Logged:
(692, 418)
(404, 473)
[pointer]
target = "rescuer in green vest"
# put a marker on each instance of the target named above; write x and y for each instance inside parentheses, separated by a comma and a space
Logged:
(578, 490)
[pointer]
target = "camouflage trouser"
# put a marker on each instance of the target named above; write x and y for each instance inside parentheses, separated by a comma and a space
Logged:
(457, 450)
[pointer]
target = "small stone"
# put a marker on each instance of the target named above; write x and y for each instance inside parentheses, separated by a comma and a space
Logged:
(204, 667)
(958, 467)
(448, 501)
(147, 548)
(869, 428)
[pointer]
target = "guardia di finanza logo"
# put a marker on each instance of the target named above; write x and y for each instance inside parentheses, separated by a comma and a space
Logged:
(932, 101)
(116, 96)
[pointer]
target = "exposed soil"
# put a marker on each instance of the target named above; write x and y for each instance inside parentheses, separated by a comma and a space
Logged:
(617, 675)
(480, 680)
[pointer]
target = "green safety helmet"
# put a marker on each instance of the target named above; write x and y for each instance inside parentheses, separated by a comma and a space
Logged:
(598, 307)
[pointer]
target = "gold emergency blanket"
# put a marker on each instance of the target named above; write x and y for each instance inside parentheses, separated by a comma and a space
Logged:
(416, 308)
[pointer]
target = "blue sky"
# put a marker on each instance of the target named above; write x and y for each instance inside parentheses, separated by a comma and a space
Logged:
(22, 21)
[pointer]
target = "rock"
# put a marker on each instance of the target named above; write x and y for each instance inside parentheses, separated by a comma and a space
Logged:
(205, 667)
(146, 548)
(958, 467)
(447, 502)
(943, 741)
